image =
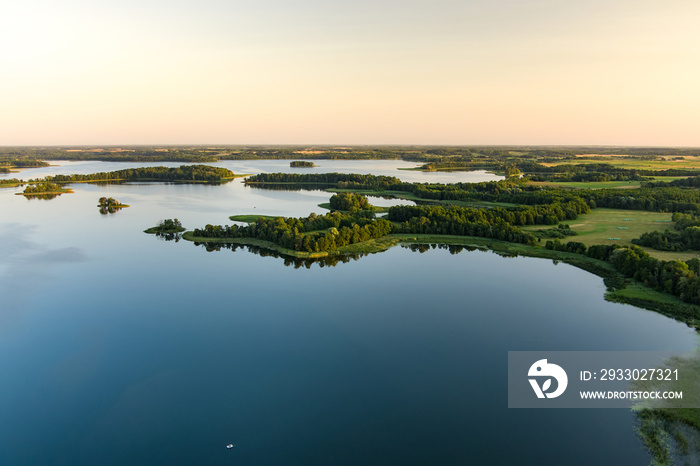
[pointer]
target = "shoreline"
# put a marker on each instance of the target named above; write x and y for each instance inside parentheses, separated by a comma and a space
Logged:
(620, 289)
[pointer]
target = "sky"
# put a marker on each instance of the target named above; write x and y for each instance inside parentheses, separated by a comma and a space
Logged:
(439, 72)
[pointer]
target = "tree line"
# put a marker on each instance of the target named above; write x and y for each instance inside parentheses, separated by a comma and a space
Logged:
(7, 164)
(677, 278)
(367, 181)
(203, 173)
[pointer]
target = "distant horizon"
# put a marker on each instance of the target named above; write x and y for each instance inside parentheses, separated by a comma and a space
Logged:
(341, 145)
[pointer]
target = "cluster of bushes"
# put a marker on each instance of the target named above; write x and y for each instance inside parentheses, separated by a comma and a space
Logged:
(560, 232)
(350, 202)
(108, 202)
(109, 205)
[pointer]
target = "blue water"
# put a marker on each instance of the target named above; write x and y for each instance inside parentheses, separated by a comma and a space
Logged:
(119, 348)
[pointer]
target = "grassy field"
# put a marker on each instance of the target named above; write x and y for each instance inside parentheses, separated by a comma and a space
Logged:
(666, 179)
(688, 162)
(602, 224)
(589, 184)
(602, 184)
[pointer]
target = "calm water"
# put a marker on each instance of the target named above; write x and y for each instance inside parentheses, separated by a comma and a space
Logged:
(118, 348)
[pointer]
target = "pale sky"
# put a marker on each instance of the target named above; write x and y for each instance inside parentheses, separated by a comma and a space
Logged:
(623, 72)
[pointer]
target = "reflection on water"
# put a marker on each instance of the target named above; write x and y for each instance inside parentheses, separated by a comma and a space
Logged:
(325, 261)
(292, 186)
(105, 210)
(289, 261)
(43, 197)
(452, 248)
(165, 236)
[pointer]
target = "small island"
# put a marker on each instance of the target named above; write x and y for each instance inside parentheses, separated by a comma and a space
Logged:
(41, 189)
(109, 205)
(301, 164)
(167, 226)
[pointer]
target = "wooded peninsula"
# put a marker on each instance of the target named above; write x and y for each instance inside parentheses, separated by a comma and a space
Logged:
(510, 212)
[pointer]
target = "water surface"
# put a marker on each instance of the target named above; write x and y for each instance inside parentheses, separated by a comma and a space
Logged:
(118, 348)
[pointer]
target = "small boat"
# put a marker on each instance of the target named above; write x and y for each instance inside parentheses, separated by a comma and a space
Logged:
(230, 445)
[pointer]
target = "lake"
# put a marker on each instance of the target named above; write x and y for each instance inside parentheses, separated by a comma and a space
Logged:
(120, 348)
